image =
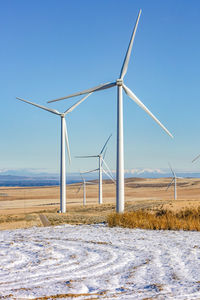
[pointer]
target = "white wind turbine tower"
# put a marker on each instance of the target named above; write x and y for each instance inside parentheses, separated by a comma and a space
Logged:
(64, 136)
(174, 178)
(120, 140)
(100, 157)
(83, 185)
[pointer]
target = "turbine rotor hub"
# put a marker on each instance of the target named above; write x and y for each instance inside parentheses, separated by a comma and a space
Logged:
(119, 82)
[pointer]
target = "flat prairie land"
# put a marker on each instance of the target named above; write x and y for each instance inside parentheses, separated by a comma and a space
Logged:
(22, 207)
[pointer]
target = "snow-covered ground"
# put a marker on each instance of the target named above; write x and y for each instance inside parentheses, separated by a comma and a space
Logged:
(94, 261)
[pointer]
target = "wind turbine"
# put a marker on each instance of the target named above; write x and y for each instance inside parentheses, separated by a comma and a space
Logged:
(100, 157)
(174, 178)
(83, 185)
(120, 140)
(64, 135)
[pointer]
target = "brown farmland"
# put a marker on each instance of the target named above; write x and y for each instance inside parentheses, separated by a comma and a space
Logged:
(22, 207)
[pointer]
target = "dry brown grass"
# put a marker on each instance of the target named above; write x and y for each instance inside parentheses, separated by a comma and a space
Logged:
(188, 219)
(65, 296)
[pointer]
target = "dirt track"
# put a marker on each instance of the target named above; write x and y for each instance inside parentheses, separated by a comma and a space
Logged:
(44, 221)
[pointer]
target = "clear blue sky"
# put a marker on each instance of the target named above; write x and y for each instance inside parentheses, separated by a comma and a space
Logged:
(53, 48)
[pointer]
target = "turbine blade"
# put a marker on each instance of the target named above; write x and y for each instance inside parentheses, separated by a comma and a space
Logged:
(81, 176)
(196, 158)
(91, 171)
(94, 89)
(40, 106)
(67, 141)
(138, 102)
(105, 144)
(109, 176)
(76, 104)
(104, 155)
(79, 188)
(87, 156)
(170, 184)
(128, 53)
(172, 170)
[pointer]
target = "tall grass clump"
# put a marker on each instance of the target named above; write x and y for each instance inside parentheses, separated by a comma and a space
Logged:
(188, 219)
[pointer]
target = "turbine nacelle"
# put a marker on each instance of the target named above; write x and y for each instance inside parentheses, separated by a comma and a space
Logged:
(119, 82)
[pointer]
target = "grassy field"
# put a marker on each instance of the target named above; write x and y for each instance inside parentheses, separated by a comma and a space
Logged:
(187, 219)
(22, 207)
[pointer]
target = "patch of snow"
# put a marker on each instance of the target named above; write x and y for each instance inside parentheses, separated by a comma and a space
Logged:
(97, 261)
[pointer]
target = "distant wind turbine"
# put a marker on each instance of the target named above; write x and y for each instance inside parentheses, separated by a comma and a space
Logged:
(120, 140)
(100, 157)
(83, 185)
(174, 178)
(64, 135)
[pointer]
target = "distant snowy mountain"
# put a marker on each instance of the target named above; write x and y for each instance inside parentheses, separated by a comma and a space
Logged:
(26, 172)
(146, 172)
(34, 177)
(31, 177)
(157, 173)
